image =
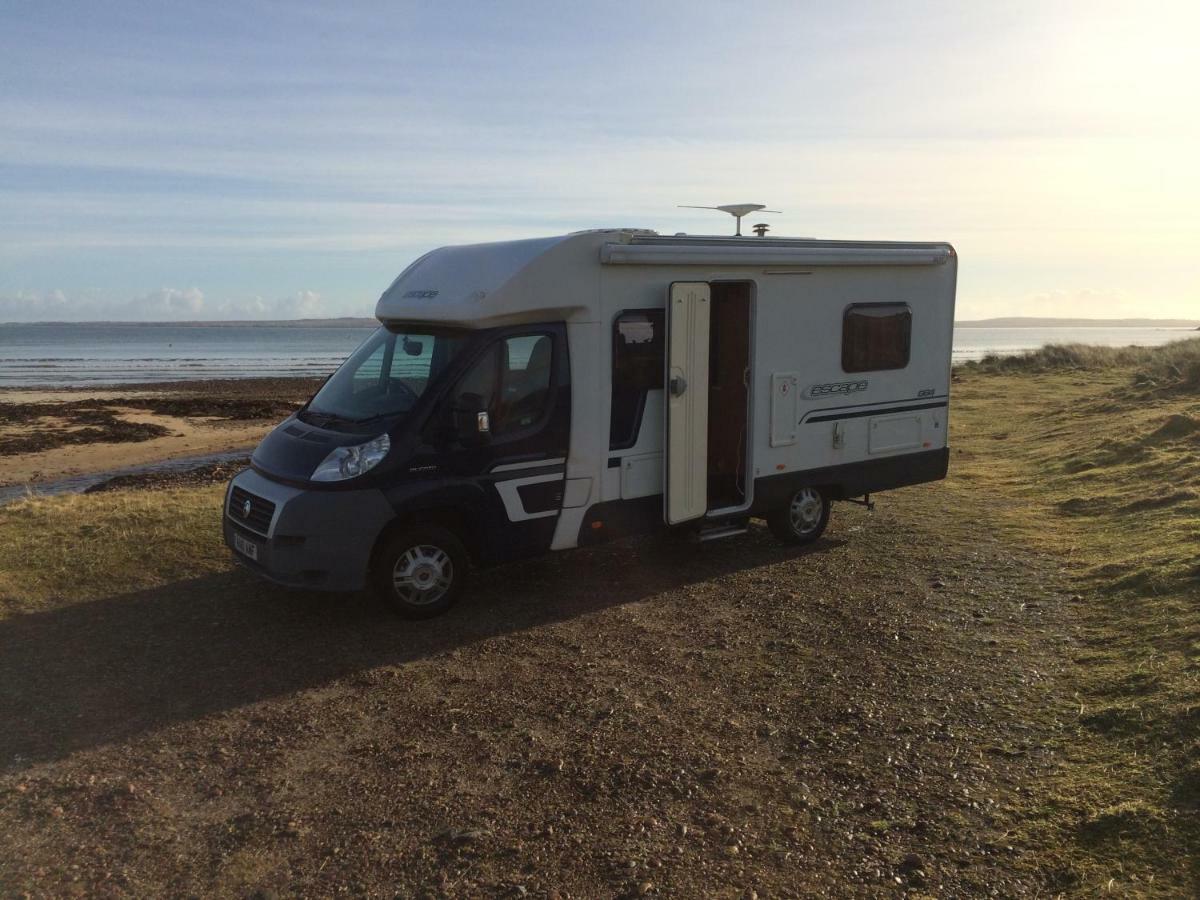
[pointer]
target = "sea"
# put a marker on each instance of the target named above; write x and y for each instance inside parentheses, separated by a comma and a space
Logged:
(93, 354)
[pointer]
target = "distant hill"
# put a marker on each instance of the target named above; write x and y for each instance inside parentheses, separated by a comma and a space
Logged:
(1039, 322)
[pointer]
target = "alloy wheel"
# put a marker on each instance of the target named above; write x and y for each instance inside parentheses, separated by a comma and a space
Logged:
(423, 575)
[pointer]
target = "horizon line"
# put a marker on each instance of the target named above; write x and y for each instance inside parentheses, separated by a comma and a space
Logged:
(1175, 322)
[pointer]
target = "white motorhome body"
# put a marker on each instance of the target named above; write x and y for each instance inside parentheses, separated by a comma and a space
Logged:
(706, 380)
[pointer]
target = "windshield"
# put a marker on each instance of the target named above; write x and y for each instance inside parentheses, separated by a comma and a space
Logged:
(386, 375)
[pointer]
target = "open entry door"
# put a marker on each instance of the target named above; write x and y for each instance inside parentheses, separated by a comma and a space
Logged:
(688, 309)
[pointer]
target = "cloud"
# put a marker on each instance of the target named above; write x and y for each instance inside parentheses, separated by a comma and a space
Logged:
(300, 305)
(168, 304)
(30, 306)
(1049, 142)
(165, 304)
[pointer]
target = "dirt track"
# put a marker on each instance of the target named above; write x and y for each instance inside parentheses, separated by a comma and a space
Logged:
(647, 718)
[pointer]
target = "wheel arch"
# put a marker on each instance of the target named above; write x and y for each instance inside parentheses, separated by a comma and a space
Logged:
(774, 493)
(454, 518)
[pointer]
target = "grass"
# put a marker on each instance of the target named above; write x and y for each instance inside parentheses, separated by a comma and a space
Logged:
(1114, 469)
(1093, 454)
(1173, 366)
(89, 546)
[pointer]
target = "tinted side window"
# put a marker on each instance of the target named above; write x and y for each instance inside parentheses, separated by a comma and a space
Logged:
(876, 336)
(638, 347)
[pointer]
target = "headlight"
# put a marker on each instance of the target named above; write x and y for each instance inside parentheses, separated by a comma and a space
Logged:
(350, 462)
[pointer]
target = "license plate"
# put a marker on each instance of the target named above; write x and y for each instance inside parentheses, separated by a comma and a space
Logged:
(247, 548)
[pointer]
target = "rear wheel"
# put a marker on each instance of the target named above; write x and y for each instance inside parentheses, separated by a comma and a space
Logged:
(804, 518)
(419, 572)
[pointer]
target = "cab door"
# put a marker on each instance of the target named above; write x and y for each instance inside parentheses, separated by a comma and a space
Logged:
(686, 460)
(496, 446)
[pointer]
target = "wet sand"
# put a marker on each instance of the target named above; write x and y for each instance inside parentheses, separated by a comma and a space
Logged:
(50, 434)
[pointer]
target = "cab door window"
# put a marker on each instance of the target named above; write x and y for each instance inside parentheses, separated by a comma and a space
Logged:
(511, 382)
(476, 391)
(525, 382)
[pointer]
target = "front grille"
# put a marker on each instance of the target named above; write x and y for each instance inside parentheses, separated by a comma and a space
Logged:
(260, 514)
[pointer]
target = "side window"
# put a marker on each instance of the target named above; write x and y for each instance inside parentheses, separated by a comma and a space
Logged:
(638, 347)
(876, 336)
(525, 382)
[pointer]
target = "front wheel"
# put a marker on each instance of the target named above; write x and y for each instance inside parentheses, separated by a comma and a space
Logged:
(804, 518)
(419, 572)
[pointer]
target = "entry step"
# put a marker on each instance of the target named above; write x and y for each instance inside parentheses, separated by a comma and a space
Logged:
(723, 530)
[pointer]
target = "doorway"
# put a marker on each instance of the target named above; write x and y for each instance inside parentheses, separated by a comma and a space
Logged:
(729, 394)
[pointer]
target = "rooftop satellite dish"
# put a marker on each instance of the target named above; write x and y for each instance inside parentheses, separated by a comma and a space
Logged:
(737, 210)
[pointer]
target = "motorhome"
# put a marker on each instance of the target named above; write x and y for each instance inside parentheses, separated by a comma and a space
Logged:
(535, 395)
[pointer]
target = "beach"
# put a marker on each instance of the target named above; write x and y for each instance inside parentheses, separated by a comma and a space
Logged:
(49, 434)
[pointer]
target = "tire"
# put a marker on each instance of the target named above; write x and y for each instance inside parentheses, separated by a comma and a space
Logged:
(420, 572)
(804, 518)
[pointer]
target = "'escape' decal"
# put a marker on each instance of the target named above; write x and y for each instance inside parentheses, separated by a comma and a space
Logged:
(838, 389)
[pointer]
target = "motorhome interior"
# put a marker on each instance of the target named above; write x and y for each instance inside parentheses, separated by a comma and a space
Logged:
(536, 395)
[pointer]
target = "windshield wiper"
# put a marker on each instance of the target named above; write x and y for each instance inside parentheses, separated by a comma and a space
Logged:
(376, 417)
(322, 418)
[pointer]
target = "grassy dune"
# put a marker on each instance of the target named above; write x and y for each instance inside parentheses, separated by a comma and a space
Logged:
(1173, 367)
(1096, 454)
(1110, 451)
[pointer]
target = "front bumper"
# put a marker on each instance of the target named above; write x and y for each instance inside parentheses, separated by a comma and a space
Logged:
(314, 539)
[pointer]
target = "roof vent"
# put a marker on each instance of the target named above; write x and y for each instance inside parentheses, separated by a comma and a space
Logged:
(761, 229)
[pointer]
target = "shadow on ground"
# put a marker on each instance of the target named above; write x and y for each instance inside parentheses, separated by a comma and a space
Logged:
(99, 671)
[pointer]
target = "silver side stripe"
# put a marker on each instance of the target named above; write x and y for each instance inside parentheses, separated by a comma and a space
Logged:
(533, 464)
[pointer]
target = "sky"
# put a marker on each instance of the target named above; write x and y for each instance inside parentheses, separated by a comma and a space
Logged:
(179, 161)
